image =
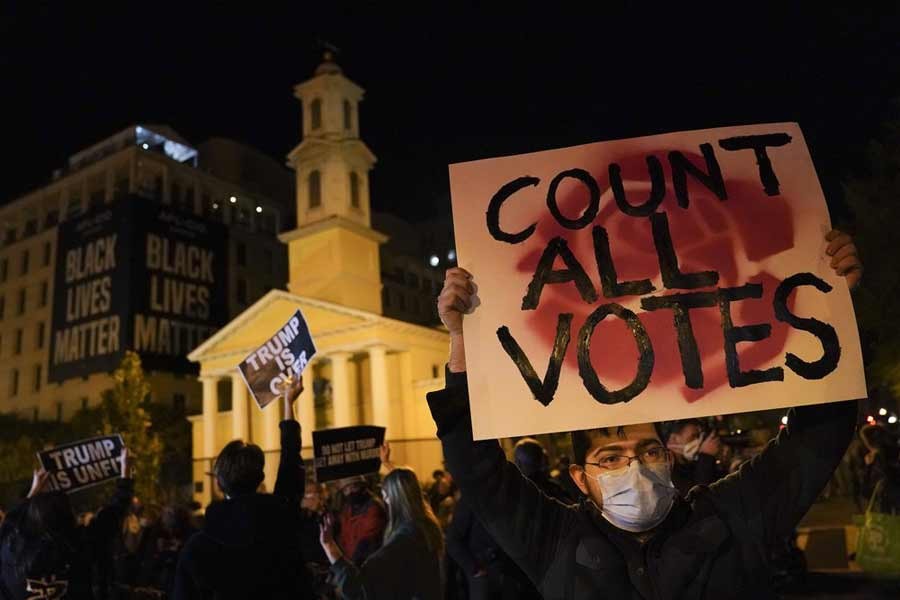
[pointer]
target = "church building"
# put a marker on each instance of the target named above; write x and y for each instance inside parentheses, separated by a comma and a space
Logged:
(369, 369)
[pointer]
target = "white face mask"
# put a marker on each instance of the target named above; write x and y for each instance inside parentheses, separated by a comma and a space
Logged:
(692, 449)
(637, 498)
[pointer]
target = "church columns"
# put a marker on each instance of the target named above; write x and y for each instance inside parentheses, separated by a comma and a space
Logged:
(306, 407)
(381, 408)
(340, 389)
(210, 414)
(240, 421)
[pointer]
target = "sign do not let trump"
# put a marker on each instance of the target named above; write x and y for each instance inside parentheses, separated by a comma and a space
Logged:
(656, 278)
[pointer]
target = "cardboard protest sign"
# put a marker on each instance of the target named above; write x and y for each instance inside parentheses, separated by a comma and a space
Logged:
(648, 279)
(347, 451)
(285, 354)
(84, 463)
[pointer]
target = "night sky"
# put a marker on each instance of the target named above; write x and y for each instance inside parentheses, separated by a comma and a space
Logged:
(443, 86)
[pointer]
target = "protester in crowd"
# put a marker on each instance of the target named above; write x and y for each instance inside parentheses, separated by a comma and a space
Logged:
(407, 566)
(248, 547)
(488, 571)
(695, 452)
(634, 536)
(561, 475)
(531, 458)
(134, 549)
(882, 474)
(169, 536)
(43, 551)
(360, 521)
(312, 511)
(439, 488)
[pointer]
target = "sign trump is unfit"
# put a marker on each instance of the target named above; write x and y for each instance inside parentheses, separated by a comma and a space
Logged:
(84, 463)
(284, 355)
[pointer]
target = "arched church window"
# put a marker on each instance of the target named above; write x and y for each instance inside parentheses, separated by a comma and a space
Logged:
(348, 115)
(354, 190)
(315, 189)
(315, 109)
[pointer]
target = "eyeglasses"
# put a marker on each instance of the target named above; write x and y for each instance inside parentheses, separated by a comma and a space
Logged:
(612, 462)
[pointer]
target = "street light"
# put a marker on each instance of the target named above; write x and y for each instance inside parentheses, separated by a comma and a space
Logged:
(434, 260)
(882, 411)
(784, 420)
(233, 199)
(259, 209)
(892, 419)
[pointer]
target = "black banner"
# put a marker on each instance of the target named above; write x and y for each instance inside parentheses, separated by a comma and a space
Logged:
(347, 451)
(135, 275)
(284, 355)
(84, 463)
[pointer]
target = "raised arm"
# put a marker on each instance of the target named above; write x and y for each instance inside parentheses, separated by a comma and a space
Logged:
(524, 522)
(777, 487)
(291, 480)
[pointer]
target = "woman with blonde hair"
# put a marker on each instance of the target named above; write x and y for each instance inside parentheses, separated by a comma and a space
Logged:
(408, 565)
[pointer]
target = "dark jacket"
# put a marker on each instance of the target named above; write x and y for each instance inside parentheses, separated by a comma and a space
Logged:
(360, 529)
(59, 565)
(403, 569)
(248, 547)
(713, 545)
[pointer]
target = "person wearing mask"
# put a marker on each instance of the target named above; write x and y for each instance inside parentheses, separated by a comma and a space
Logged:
(248, 547)
(408, 564)
(531, 458)
(43, 551)
(695, 453)
(634, 536)
(361, 520)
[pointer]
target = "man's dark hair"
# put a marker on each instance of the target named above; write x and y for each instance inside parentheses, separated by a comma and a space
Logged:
(670, 427)
(582, 440)
(239, 468)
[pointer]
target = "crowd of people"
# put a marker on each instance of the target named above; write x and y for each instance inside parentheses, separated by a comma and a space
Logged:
(635, 510)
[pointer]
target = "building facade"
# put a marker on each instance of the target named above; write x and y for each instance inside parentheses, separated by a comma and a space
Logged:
(369, 368)
(46, 278)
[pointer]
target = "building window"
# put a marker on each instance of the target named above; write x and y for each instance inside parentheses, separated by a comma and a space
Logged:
(17, 346)
(14, 382)
(348, 115)
(48, 251)
(242, 291)
(354, 190)
(25, 261)
(315, 189)
(84, 403)
(59, 414)
(242, 254)
(31, 227)
(315, 109)
(2, 306)
(38, 376)
(52, 218)
(45, 291)
(39, 336)
(4, 269)
(21, 302)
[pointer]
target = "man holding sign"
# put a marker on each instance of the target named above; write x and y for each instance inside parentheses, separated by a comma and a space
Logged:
(633, 535)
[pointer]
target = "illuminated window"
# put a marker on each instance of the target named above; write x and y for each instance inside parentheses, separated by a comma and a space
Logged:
(354, 190)
(315, 117)
(348, 115)
(315, 189)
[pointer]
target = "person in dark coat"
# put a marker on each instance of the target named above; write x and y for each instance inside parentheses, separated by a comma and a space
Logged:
(531, 458)
(45, 554)
(248, 547)
(695, 454)
(408, 564)
(634, 536)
